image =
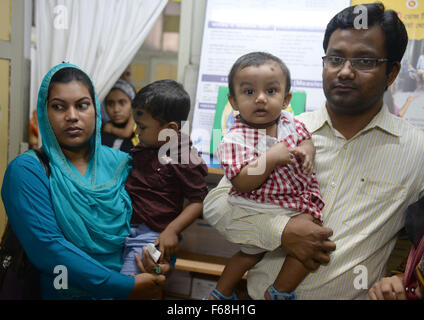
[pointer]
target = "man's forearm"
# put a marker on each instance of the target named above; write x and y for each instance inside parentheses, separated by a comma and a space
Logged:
(307, 241)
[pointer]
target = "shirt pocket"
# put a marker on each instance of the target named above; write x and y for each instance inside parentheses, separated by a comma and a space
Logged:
(376, 200)
(380, 190)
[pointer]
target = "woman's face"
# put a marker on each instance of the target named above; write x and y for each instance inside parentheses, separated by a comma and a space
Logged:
(71, 113)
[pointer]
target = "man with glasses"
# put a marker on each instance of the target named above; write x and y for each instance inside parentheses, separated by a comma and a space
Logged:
(368, 164)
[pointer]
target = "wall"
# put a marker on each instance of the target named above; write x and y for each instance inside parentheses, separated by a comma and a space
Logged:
(4, 127)
(146, 68)
(191, 34)
(5, 28)
(158, 56)
(15, 24)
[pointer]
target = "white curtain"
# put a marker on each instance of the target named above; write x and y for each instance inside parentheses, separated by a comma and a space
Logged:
(100, 36)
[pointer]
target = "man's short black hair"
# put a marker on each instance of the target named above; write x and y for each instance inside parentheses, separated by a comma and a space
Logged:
(394, 29)
(256, 59)
(165, 100)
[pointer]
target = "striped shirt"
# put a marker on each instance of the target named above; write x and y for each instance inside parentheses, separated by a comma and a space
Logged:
(287, 186)
(367, 182)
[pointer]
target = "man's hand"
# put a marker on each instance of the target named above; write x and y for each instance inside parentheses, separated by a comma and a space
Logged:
(307, 241)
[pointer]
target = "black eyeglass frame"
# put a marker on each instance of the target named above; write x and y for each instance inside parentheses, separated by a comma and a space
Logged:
(353, 62)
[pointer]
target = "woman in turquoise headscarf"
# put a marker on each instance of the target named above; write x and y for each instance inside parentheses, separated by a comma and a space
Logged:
(78, 217)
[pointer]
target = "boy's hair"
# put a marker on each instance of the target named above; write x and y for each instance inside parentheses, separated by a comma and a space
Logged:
(388, 20)
(256, 59)
(165, 100)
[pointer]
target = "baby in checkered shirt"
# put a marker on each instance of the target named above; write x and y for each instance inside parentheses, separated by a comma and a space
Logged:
(268, 157)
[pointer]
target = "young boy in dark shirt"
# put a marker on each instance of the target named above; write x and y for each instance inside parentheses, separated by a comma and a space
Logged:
(166, 170)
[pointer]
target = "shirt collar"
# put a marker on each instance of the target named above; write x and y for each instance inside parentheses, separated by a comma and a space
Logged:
(383, 120)
(320, 118)
(238, 122)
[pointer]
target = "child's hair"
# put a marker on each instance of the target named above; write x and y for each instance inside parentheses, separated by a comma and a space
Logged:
(70, 74)
(256, 59)
(165, 100)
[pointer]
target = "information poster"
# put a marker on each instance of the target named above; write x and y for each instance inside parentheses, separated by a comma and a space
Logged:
(291, 30)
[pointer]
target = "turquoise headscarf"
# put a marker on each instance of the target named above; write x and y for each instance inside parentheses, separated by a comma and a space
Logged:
(94, 210)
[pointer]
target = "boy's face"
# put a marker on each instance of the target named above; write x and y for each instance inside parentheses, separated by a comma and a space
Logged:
(148, 128)
(118, 106)
(260, 94)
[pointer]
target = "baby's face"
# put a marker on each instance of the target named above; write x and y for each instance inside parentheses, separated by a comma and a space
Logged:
(260, 94)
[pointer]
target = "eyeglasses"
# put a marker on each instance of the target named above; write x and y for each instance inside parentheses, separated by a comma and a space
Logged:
(361, 64)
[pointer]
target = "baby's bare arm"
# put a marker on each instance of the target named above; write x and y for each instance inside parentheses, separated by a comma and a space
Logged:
(253, 175)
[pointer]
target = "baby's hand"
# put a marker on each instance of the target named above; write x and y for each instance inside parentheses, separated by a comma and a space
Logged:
(305, 157)
(280, 154)
(168, 243)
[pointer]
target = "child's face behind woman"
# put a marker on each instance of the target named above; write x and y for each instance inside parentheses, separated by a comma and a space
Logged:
(118, 107)
(71, 113)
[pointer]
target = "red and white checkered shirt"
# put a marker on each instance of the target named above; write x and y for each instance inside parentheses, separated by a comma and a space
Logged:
(287, 186)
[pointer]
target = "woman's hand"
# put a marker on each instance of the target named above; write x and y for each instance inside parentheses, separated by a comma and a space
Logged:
(390, 288)
(147, 286)
(150, 266)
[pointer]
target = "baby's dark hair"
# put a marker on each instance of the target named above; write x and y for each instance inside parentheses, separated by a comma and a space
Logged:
(70, 74)
(256, 59)
(165, 100)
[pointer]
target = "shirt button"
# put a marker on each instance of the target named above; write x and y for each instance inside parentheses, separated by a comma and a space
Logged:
(333, 184)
